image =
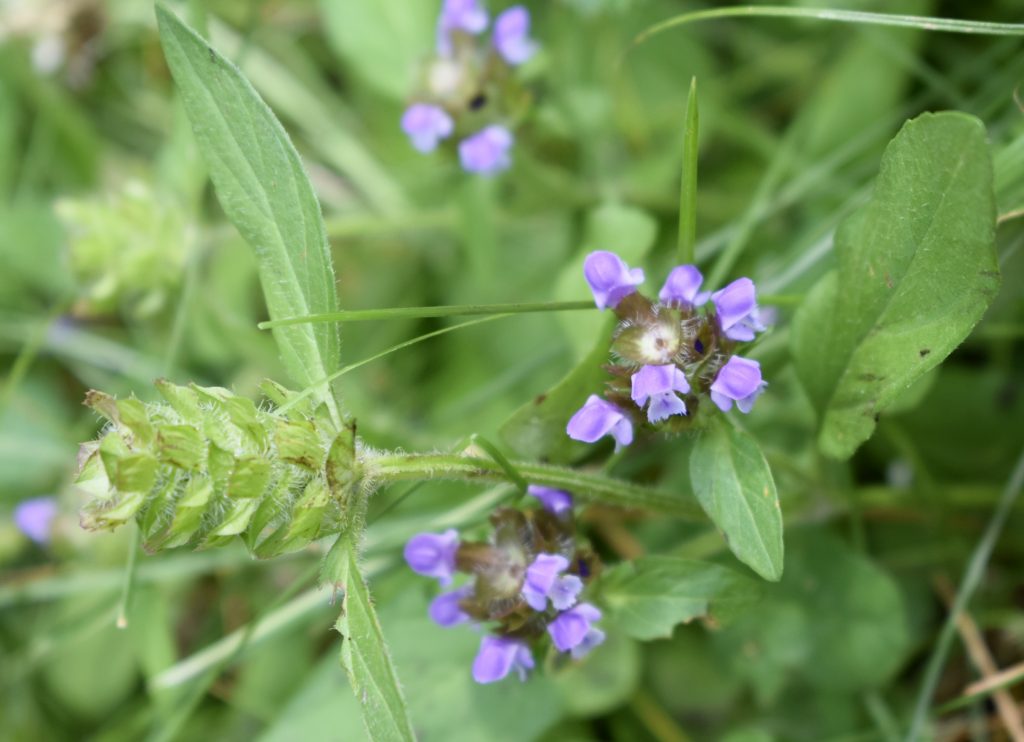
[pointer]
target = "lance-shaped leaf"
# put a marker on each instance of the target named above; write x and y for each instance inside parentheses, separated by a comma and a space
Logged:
(265, 193)
(647, 597)
(734, 485)
(917, 270)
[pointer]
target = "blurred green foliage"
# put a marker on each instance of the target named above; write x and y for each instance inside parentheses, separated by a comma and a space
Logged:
(120, 286)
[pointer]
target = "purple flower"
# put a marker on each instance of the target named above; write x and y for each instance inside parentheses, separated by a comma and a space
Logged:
(556, 501)
(34, 517)
(598, 418)
(433, 555)
(445, 610)
(544, 579)
(512, 35)
(487, 151)
(682, 287)
(426, 125)
(572, 631)
(736, 305)
(738, 381)
(458, 15)
(660, 384)
(610, 279)
(498, 656)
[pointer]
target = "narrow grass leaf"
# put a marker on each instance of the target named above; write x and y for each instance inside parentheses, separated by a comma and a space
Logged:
(685, 252)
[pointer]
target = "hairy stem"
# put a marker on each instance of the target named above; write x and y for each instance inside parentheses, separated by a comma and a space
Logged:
(395, 467)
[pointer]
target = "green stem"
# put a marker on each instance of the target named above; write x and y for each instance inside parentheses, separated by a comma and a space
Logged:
(399, 467)
(363, 315)
(972, 577)
(927, 23)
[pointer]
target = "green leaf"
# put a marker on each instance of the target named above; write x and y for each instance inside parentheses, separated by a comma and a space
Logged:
(734, 485)
(646, 598)
(266, 194)
(382, 41)
(364, 654)
(687, 240)
(917, 270)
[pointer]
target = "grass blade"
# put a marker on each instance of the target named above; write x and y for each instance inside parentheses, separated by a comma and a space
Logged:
(688, 188)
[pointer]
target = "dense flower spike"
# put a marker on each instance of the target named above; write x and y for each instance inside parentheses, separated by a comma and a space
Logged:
(498, 656)
(487, 151)
(426, 125)
(610, 279)
(526, 578)
(736, 306)
(739, 381)
(34, 518)
(598, 418)
(544, 581)
(682, 287)
(467, 16)
(556, 501)
(573, 630)
(512, 35)
(445, 609)
(659, 384)
(433, 555)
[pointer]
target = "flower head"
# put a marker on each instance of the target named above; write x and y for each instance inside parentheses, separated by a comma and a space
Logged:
(659, 384)
(598, 418)
(459, 15)
(512, 35)
(34, 517)
(739, 381)
(572, 631)
(426, 125)
(498, 656)
(433, 555)
(682, 287)
(544, 580)
(736, 306)
(445, 609)
(610, 279)
(556, 501)
(487, 151)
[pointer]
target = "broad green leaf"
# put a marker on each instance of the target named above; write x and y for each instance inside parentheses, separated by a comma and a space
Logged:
(384, 41)
(917, 270)
(265, 192)
(648, 597)
(734, 485)
(604, 680)
(364, 654)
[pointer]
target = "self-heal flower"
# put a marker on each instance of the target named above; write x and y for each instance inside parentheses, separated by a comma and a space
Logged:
(426, 125)
(544, 580)
(736, 306)
(682, 287)
(445, 609)
(659, 384)
(573, 630)
(34, 518)
(555, 501)
(433, 555)
(459, 15)
(737, 381)
(487, 151)
(512, 35)
(610, 279)
(498, 656)
(598, 418)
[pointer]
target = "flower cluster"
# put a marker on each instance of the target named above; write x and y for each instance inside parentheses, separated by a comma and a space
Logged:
(468, 91)
(526, 581)
(671, 353)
